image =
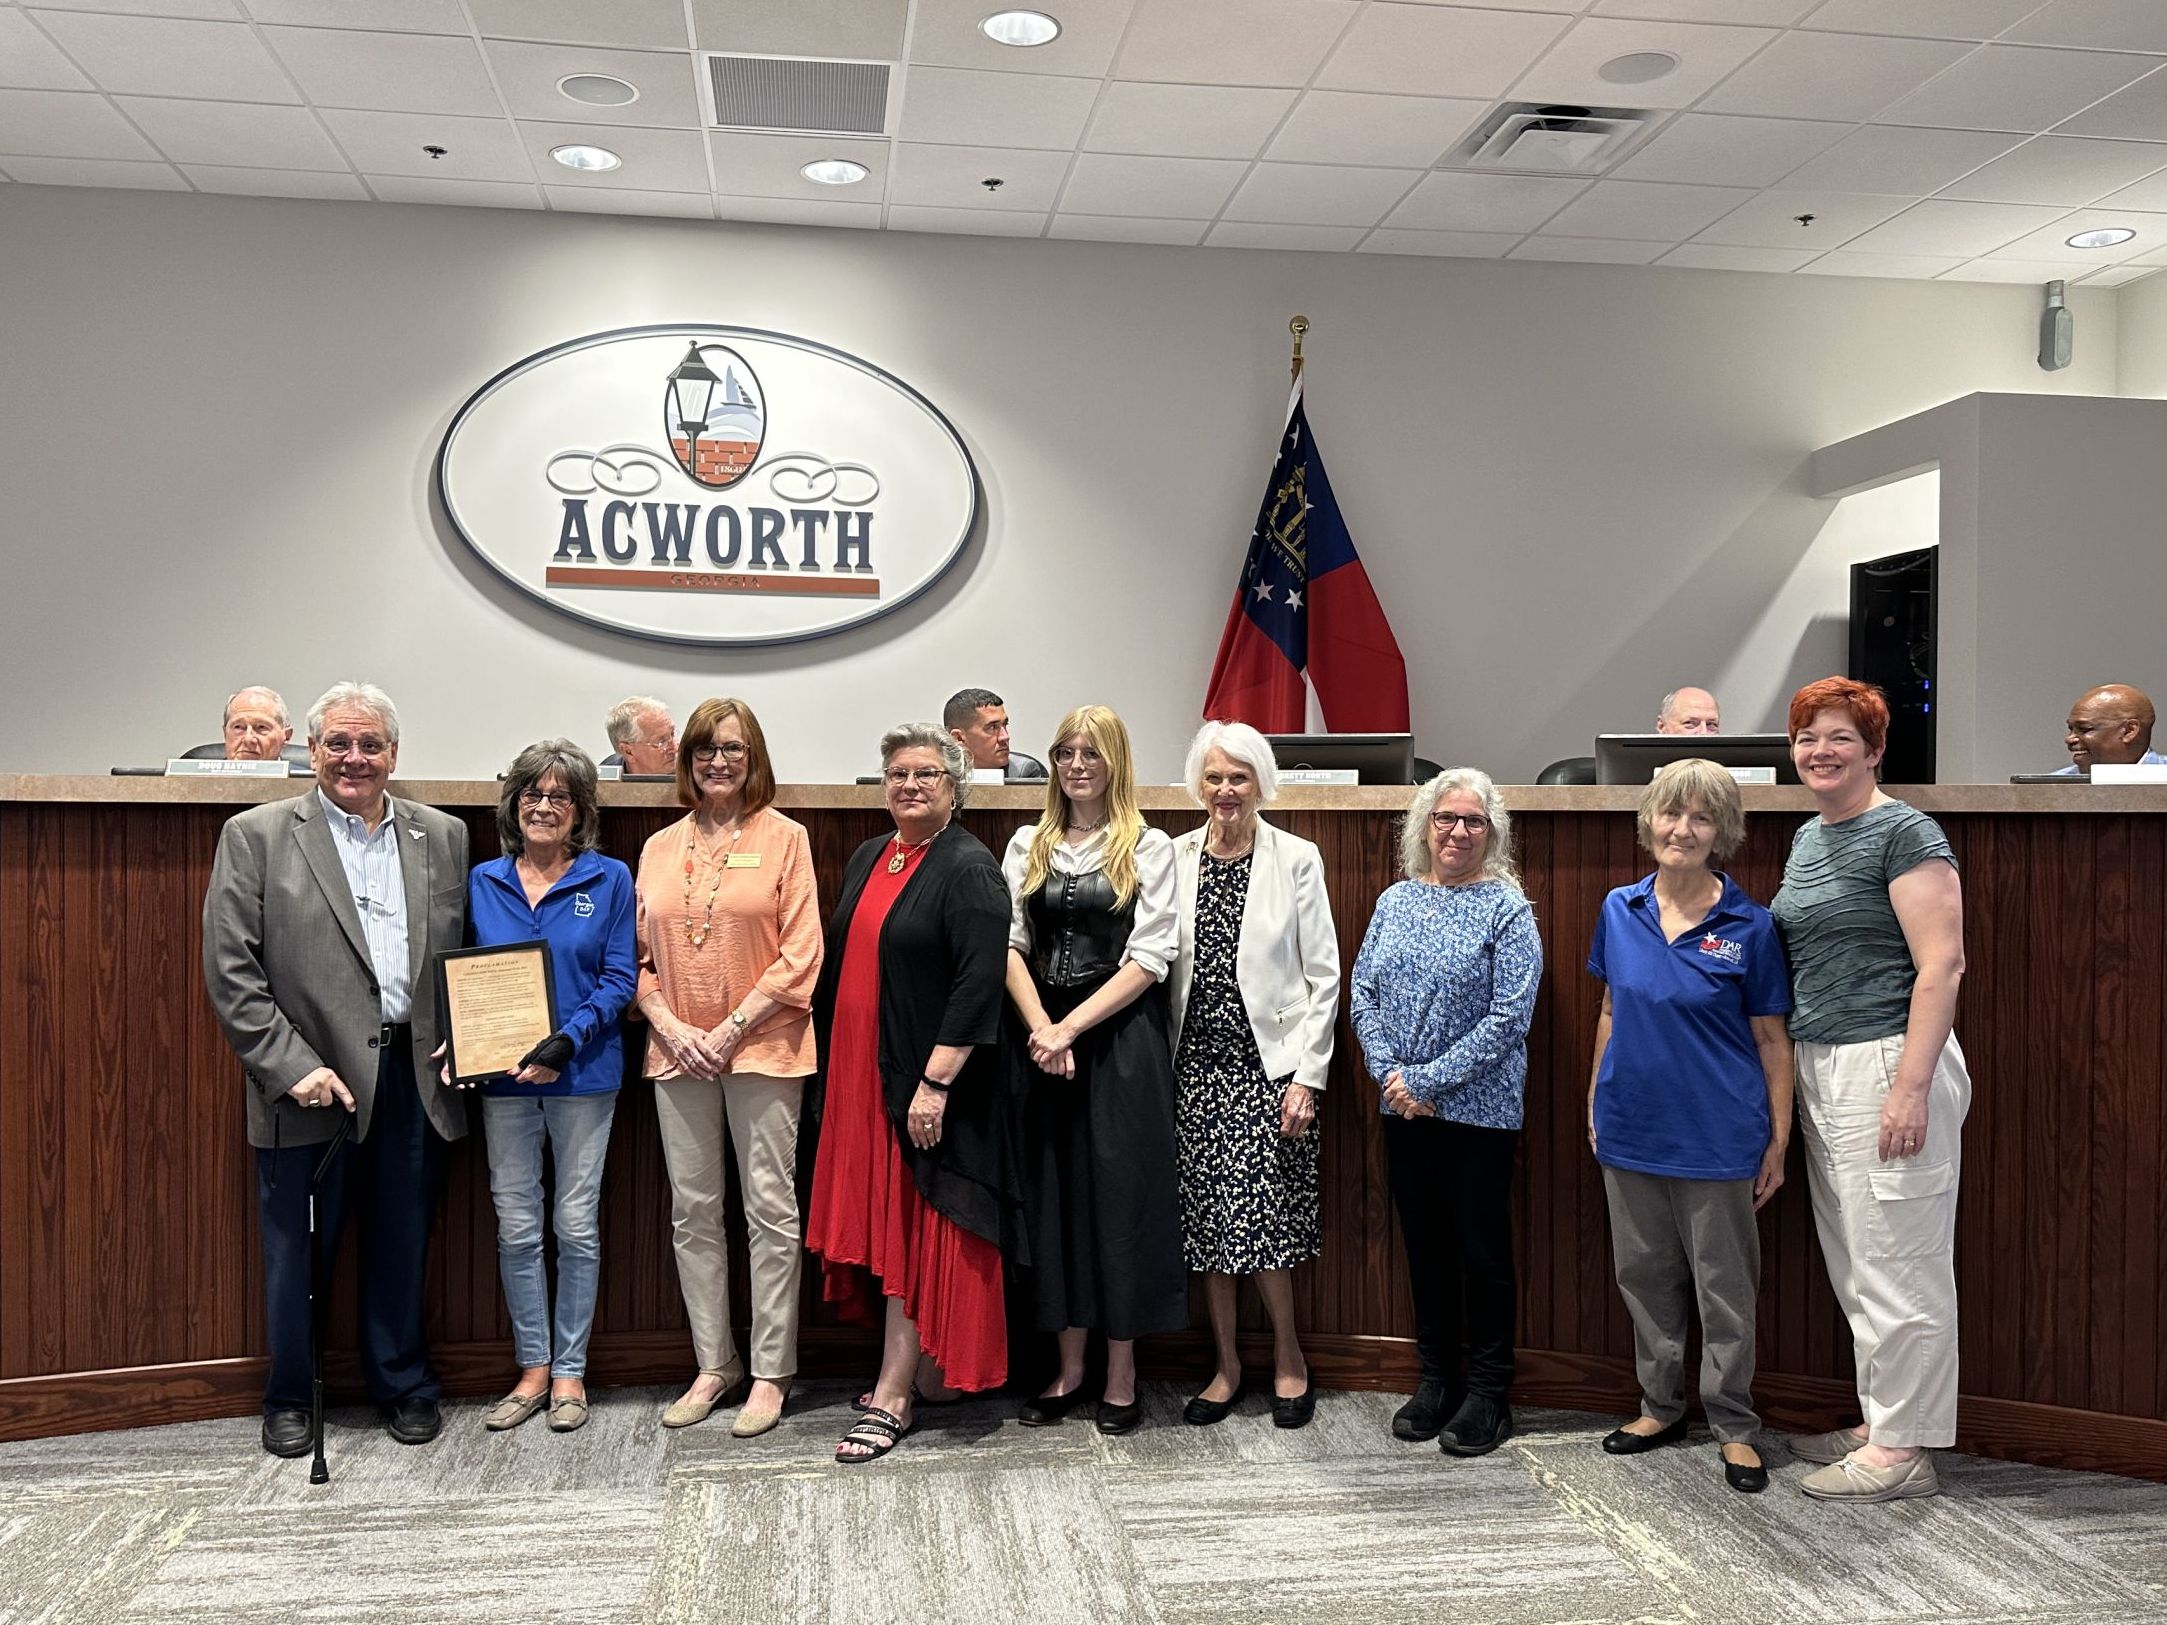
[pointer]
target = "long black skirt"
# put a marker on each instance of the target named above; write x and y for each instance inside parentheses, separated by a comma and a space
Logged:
(1104, 1197)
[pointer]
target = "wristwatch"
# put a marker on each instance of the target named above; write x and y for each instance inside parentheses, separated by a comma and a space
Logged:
(737, 1020)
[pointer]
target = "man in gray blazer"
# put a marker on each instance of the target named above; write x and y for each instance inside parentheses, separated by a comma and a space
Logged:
(320, 928)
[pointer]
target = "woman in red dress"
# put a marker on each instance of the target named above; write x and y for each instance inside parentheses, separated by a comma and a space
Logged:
(915, 1193)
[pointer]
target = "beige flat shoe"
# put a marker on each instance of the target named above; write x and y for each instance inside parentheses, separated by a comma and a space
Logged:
(1852, 1480)
(512, 1410)
(567, 1415)
(751, 1424)
(1826, 1449)
(685, 1413)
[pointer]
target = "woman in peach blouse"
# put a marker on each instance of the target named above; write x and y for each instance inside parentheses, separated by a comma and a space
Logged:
(730, 949)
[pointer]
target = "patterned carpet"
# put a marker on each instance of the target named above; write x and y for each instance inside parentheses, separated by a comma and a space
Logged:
(977, 1521)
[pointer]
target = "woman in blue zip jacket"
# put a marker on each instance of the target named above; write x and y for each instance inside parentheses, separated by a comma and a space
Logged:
(551, 885)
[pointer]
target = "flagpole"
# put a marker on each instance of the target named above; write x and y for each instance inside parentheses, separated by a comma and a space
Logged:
(1298, 327)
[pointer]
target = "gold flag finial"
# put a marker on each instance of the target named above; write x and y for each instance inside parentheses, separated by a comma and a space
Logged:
(1298, 327)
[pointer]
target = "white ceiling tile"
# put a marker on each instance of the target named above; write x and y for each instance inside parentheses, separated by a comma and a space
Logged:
(1998, 270)
(1099, 228)
(398, 73)
(1644, 210)
(1717, 257)
(946, 35)
(1902, 162)
(654, 160)
(1587, 250)
(2017, 87)
(966, 107)
(652, 24)
(2149, 195)
(224, 10)
(1230, 42)
(159, 56)
(1937, 19)
(2138, 113)
(1907, 267)
(1716, 149)
(610, 200)
(2116, 276)
(790, 211)
(1706, 55)
(856, 30)
(969, 222)
(275, 182)
(1311, 239)
(30, 61)
(120, 172)
(749, 165)
(1470, 245)
(2098, 25)
(66, 124)
(466, 194)
(954, 177)
(1757, 13)
(1831, 76)
(1965, 230)
(1318, 195)
(475, 149)
(527, 74)
(1185, 121)
(1515, 203)
(2060, 169)
(1348, 127)
(1561, 7)
(402, 16)
(242, 133)
(1168, 188)
(1418, 50)
(2051, 242)
(1770, 219)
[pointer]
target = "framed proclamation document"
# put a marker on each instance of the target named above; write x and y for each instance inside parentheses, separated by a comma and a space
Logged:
(498, 1004)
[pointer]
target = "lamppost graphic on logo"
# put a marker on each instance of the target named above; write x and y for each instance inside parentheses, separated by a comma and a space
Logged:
(716, 420)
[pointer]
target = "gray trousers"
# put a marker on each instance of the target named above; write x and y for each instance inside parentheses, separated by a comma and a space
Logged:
(1675, 1241)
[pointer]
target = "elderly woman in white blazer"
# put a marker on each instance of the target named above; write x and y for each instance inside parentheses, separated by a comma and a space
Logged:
(1253, 993)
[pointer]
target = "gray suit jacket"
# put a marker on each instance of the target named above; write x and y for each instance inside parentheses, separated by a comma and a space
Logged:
(287, 967)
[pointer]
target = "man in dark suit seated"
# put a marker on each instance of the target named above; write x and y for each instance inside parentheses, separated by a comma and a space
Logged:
(979, 719)
(256, 726)
(319, 930)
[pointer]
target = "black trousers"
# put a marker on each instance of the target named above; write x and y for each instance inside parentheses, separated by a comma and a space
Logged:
(1452, 1185)
(393, 1180)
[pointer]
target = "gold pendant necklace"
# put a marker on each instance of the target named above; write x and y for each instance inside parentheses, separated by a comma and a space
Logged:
(697, 935)
(903, 854)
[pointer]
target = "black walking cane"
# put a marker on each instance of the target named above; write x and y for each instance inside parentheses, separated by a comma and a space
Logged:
(318, 1472)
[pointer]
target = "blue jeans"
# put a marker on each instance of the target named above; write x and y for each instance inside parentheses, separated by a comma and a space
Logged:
(577, 1130)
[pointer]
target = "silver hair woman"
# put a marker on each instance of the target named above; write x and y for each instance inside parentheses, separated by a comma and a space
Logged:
(927, 736)
(574, 772)
(1442, 996)
(1253, 992)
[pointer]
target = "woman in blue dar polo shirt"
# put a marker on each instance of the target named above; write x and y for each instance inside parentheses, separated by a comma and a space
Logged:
(552, 885)
(1689, 1109)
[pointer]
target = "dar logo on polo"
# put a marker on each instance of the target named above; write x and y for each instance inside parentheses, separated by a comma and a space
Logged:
(709, 485)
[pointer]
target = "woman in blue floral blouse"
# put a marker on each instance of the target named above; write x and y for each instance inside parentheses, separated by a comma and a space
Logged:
(1442, 995)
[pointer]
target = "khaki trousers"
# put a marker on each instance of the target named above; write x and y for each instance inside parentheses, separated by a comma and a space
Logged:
(761, 1115)
(1888, 1230)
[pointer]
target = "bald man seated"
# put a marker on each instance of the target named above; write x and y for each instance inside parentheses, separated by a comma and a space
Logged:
(2110, 724)
(1688, 711)
(256, 726)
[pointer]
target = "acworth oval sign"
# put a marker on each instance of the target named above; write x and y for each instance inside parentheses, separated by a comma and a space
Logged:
(702, 484)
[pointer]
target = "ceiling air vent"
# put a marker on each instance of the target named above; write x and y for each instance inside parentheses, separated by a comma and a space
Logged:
(1526, 139)
(796, 93)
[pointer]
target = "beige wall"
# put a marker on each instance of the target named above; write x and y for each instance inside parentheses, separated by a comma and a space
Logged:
(1575, 486)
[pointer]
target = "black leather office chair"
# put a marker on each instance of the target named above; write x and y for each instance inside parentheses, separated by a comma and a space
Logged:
(613, 759)
(1425, 770)
(1024, 769)
(1568, 770)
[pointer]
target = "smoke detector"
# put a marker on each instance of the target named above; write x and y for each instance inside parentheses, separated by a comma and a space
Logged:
(1528, 139)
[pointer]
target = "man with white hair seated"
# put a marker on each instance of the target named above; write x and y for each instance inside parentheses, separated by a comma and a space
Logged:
(256, 725)
(1688, 711)
(643, 736)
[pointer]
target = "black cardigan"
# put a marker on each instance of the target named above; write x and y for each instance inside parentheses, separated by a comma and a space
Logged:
(943, 980)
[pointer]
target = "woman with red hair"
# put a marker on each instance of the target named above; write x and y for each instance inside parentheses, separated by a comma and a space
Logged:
(1872, 917)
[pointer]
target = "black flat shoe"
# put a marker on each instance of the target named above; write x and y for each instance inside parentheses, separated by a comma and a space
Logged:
(1120, 1418)
(1295, 1412)
(1478, 1427)
(1746, 1480)
(1201, 1412)
(1622, 1443)
(1418, 1420)
(1048, 1409)
(286, 1433)
(415, 1421)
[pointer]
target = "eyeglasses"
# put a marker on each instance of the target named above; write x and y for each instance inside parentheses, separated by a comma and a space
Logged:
(730, 751)
(2089, 728)
(900, 776)
(546, 798)
(340, 745)
(1475, 822)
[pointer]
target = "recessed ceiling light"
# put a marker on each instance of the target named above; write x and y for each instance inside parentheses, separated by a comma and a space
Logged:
(591, 159)
(2103, 237)
(598, 89)
(1020, 28)
(1636, 67)
(834, 172)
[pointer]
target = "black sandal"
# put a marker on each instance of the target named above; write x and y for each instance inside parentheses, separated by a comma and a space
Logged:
(876, 1431)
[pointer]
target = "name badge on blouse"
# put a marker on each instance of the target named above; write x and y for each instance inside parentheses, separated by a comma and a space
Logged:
(742, 860)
